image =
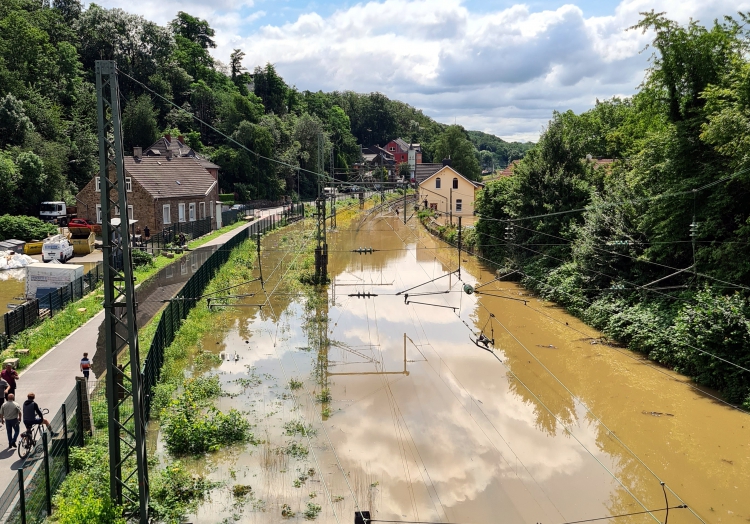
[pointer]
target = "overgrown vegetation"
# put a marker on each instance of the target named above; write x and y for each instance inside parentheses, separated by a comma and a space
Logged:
(608, 241)
(24, 228)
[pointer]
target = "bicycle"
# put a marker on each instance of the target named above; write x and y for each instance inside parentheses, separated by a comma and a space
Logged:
(27, 439)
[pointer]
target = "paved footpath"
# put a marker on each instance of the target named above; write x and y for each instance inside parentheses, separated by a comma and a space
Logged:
(52, 376)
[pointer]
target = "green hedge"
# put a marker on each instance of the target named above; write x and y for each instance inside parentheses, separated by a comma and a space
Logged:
(25, 228)
(225, 198)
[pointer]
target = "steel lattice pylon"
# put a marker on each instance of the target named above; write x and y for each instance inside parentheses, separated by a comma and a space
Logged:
(127, 432)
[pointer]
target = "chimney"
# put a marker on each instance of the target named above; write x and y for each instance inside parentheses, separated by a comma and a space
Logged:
(446, 162)
(137, 152)
(181, 139)
(168, 137)
(169, 154)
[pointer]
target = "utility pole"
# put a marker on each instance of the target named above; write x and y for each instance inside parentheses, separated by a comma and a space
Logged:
(128, 467)
(450, 204)
(404, 205)
(459, 248)
(321, 249)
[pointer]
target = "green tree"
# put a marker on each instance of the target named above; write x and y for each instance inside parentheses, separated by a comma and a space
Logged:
(32, 188)
(139, 126)
(9, 179)
(14, 124)
(455, 145)
(235, 63)
(193, 29)
(271, 89)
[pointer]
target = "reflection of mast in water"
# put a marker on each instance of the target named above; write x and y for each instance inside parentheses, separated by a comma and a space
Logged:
(321, 344)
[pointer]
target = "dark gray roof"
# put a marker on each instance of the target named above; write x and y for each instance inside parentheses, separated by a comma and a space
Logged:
(162, 178)
(161, 146)
(424, 171)
(208, 164)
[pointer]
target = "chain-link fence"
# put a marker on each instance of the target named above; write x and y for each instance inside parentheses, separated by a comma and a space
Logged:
(169, 237)
(28, 313)
(178, 309)
(28, 499)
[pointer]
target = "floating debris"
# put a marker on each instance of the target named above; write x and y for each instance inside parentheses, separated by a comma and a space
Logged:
(657, 413)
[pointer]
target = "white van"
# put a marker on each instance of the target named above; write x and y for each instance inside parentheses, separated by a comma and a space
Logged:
(57, 248)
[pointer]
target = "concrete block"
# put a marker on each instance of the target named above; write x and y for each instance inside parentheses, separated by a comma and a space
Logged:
(12, 361)
(21, 352)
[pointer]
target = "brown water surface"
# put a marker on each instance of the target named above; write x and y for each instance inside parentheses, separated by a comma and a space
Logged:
(422, 425)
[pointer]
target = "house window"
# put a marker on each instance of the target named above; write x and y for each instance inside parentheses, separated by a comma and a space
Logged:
(191, 209)
(455, 183)
(459, 205)
(202, 210)
(128, 184)
(166, 215)
(130, 213)
(117, 211)
(98, 213)
(180, 212)
(98, 182)
(437, 183)
(211, 208)
(391, 148)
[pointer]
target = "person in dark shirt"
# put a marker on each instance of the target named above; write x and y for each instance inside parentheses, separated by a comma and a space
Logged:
(85, 365)
(10, 376)
(32, 415)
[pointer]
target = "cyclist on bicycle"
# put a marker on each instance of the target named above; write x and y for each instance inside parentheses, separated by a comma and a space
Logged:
(32, 415)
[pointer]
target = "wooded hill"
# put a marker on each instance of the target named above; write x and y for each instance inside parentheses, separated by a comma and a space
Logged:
(48, 134)
(654, 248)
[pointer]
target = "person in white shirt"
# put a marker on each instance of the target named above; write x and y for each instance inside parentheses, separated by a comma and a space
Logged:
(10, 414)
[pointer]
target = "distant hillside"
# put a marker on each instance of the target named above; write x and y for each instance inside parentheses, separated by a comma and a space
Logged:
(503, 152)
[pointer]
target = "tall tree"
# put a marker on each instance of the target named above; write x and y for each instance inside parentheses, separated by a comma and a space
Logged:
(139, 126)
(455, 145)
(14, 124)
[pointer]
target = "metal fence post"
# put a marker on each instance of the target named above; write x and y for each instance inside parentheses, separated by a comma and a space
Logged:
(79, 409)
(48, 488)
(65, 432)
(22, 496)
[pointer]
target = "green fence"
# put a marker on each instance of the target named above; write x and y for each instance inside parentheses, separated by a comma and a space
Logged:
(29, 498)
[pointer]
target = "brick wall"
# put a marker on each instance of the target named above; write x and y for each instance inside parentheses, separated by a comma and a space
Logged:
(146, 210)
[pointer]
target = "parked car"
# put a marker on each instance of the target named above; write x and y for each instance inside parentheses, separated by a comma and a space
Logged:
(236, 207)
(59, 248)
(80, 222)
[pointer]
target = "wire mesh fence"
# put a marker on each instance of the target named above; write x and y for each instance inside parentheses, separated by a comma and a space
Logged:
(28, 313)
(28, 499)
(169, 237)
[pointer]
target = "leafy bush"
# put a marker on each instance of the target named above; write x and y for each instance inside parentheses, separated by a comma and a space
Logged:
(84, 495)
(25, 228)
(190, 427)
(174, 492)
(142, 258)
(226, 198)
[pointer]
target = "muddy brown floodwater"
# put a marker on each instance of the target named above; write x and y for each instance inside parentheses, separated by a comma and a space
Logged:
(399, 413)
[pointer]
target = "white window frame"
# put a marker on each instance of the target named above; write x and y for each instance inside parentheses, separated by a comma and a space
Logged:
(130, 213)
(166, 211)
(181, 212)
(191, 211)
(211, 209)
(128, 184)
(117, 211)
(98, 213)
(437, 183)
(202, 210)
(459, 205)
(97, 184)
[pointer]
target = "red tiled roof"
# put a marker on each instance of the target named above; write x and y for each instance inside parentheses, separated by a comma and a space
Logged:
(162, 178)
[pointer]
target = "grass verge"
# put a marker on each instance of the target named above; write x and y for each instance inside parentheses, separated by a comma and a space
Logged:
(51, 331)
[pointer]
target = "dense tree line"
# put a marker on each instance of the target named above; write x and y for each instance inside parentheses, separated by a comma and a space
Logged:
(48, 141)
(601, 240)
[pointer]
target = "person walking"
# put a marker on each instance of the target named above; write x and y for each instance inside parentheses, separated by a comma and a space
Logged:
(146, 232)
(85, 365)
(5, 387)
(10, 414)
(10, 376)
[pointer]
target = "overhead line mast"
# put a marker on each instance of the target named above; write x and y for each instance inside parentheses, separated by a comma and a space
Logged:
(128, 466)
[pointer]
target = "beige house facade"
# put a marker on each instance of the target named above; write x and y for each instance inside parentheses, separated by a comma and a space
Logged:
(449, 193)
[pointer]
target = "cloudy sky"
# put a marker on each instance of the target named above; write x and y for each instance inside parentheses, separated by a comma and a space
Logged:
(498, 66)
